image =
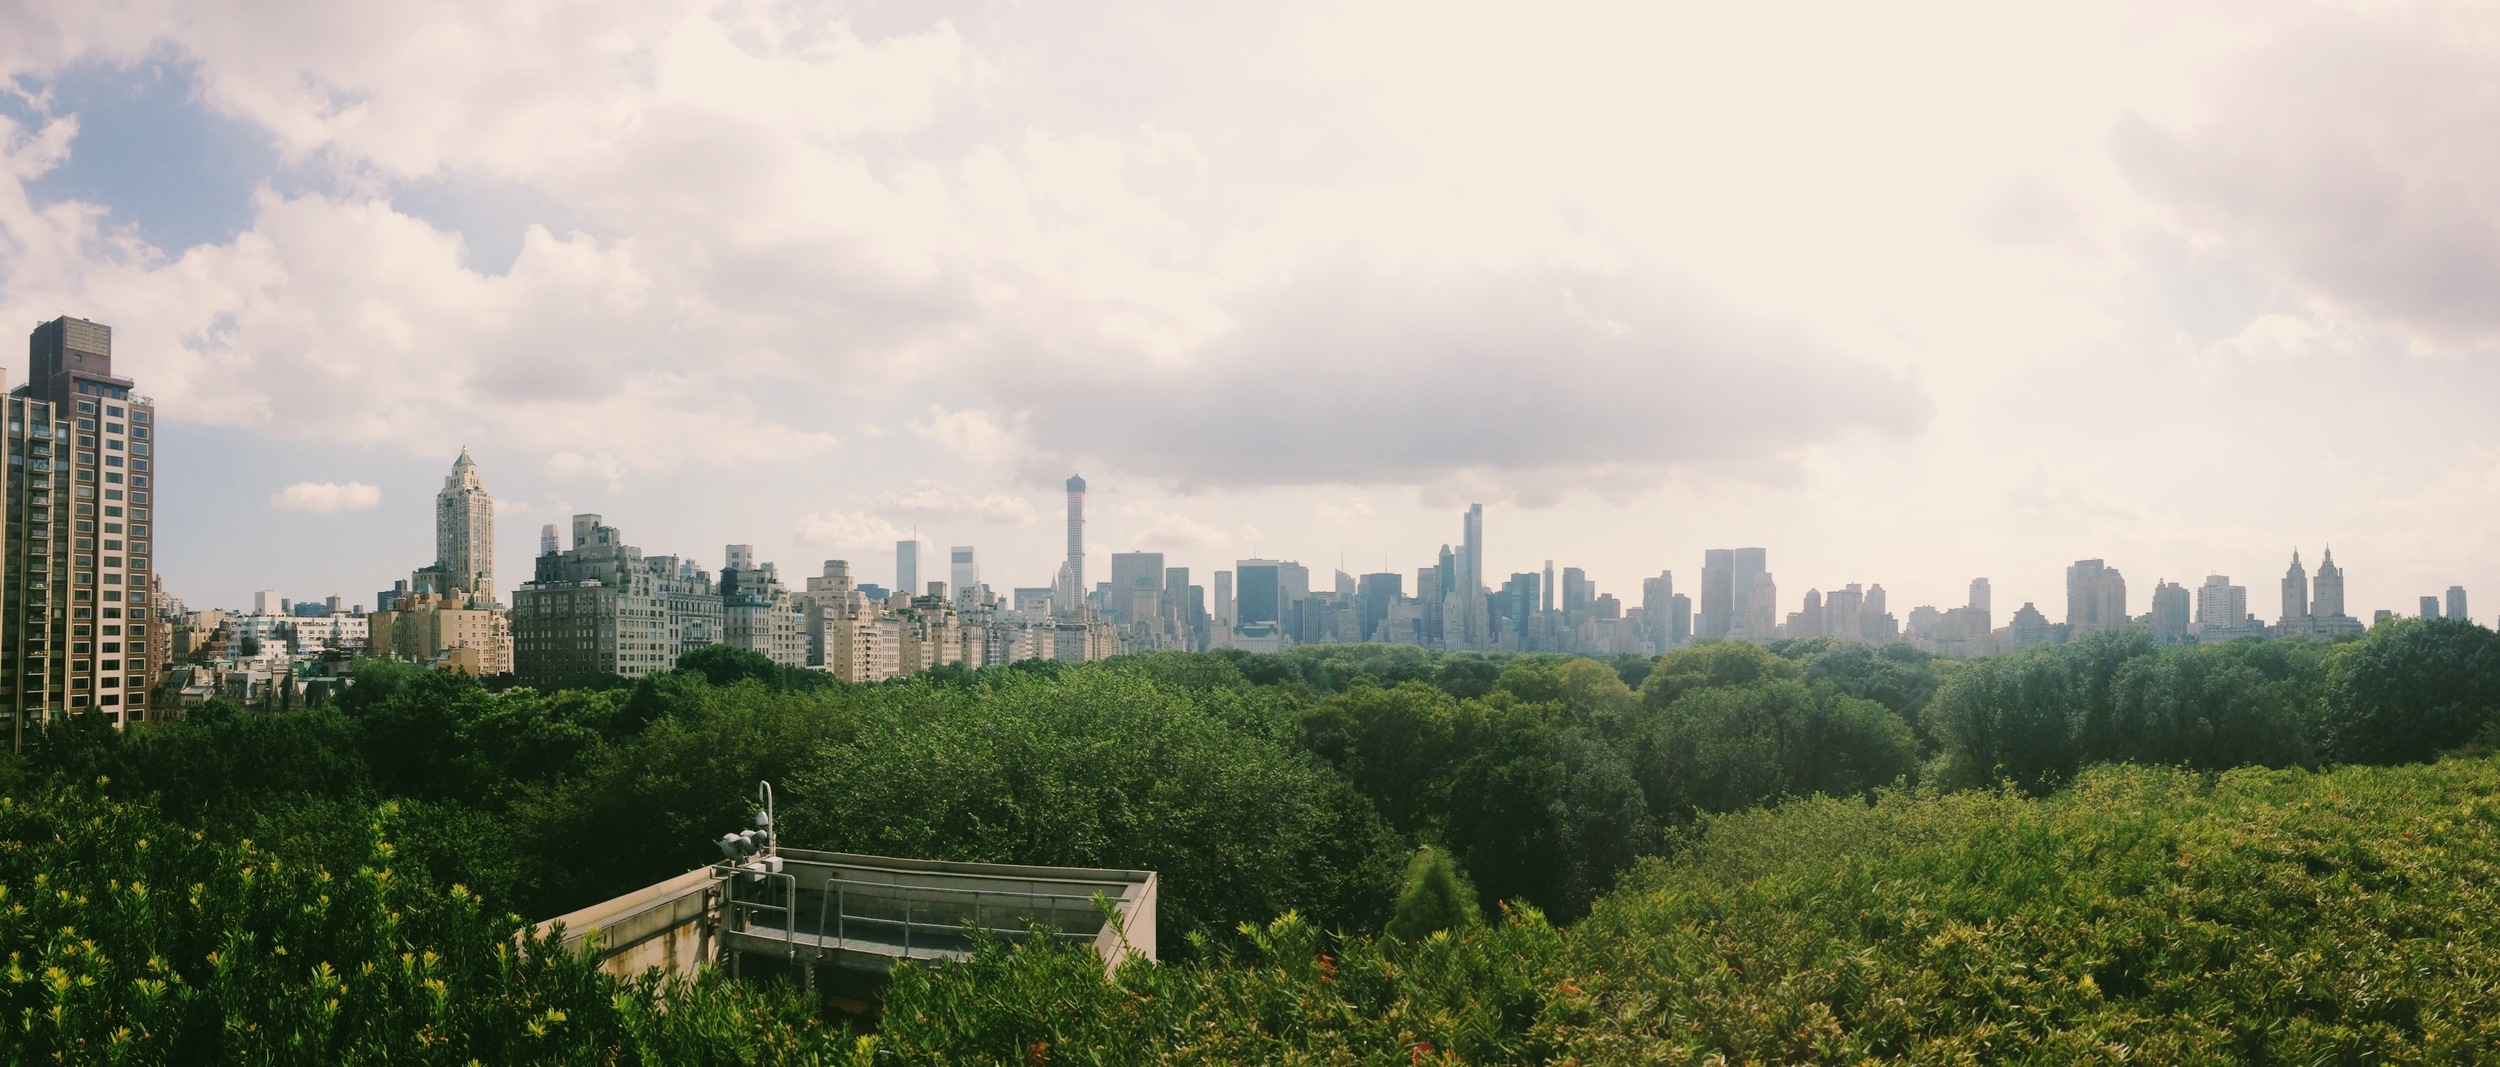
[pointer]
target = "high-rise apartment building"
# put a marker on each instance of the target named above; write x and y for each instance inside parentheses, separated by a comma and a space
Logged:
(2456, 603)
(2430, 607)
(963, 573)
(1718, 594)
(75, 582)
(446, 613)
(756, 613)
(1658, 612)
(2096, 598)
(907, 567)
(2321, 616)
(1136, 588)
(2329, 602)
(464, 533)
(2295, 593)
(2170, 612)
(1072, 574)
(1224, 600)
(2220, 607)
(591, 609)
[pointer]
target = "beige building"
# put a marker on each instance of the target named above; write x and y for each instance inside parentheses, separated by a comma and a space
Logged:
(756, 610)
(424, 627)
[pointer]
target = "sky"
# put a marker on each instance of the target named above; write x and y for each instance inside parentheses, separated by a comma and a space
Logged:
(1906, 293)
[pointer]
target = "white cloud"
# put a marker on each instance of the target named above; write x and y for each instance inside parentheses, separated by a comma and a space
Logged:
(326, 496)
(2351, 154)
(1171, 530)
(929, 500)
(849, 530)
(971, 434)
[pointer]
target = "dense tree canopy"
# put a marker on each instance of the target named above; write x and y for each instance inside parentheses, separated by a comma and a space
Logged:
(1279, 796)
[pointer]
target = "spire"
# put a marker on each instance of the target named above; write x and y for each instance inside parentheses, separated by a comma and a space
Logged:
(464, 460)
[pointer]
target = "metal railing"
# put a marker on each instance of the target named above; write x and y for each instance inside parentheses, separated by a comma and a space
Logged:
(835, 900)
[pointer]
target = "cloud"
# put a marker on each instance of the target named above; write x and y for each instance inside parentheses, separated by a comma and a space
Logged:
(849, 530)
(2354, 155)
(1554, 376)
(971, 434)
(1171, 530)
(326, 497)
(929, 500)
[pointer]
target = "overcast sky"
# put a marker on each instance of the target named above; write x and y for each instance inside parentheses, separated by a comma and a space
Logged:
(1906, 293)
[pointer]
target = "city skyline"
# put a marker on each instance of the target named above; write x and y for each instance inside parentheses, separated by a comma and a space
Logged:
(1297, 287)
(1747, 565)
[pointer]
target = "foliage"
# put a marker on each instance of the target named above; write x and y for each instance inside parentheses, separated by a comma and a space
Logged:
(2415, 688)
(1437, 897)
(2036, 717)
(1100, 768)
(2143, 915)
(127, 940)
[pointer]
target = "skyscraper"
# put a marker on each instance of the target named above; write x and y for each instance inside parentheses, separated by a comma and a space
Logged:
(1136, 587)
(2221, 608)
(2430, 607)
(2456, 602)
(1718, 594)
(1751, 564)
(77, 621)
(1258, 593)
(2096, 598)
(1224, 600)
(464, 530)
(2170, 612)
(963, 574)
(2295, 594)
(2329, 602)
(1471, 567)
(1658, 610)
(1075, 576)
(907, 567)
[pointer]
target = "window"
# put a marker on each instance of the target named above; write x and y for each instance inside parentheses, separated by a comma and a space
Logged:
(113, 427)
(113, 411)
(112, 527)
(86, 407)
(139, 415)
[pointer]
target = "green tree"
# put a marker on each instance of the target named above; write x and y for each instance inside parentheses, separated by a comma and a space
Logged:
(2411, 690)
(1436, 897)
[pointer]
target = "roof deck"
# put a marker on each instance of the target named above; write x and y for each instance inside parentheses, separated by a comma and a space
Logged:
(864, 913)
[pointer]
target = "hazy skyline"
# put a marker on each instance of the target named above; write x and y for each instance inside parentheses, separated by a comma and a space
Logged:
(1905, 295)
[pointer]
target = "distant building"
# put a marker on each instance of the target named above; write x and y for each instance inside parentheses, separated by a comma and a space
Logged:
(2430, 607)
(907, 565)
(2029, 627)
(2096, 598)
(756, 613)
(2222, 611)
(2456, 603)
(591, 609)
(1071, 583)
(2321, 616)
(2170, 612)
(422, 627)
(963, 573)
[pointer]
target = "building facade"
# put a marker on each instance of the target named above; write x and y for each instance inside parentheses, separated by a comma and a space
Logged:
(75, 592)
(591, 609)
